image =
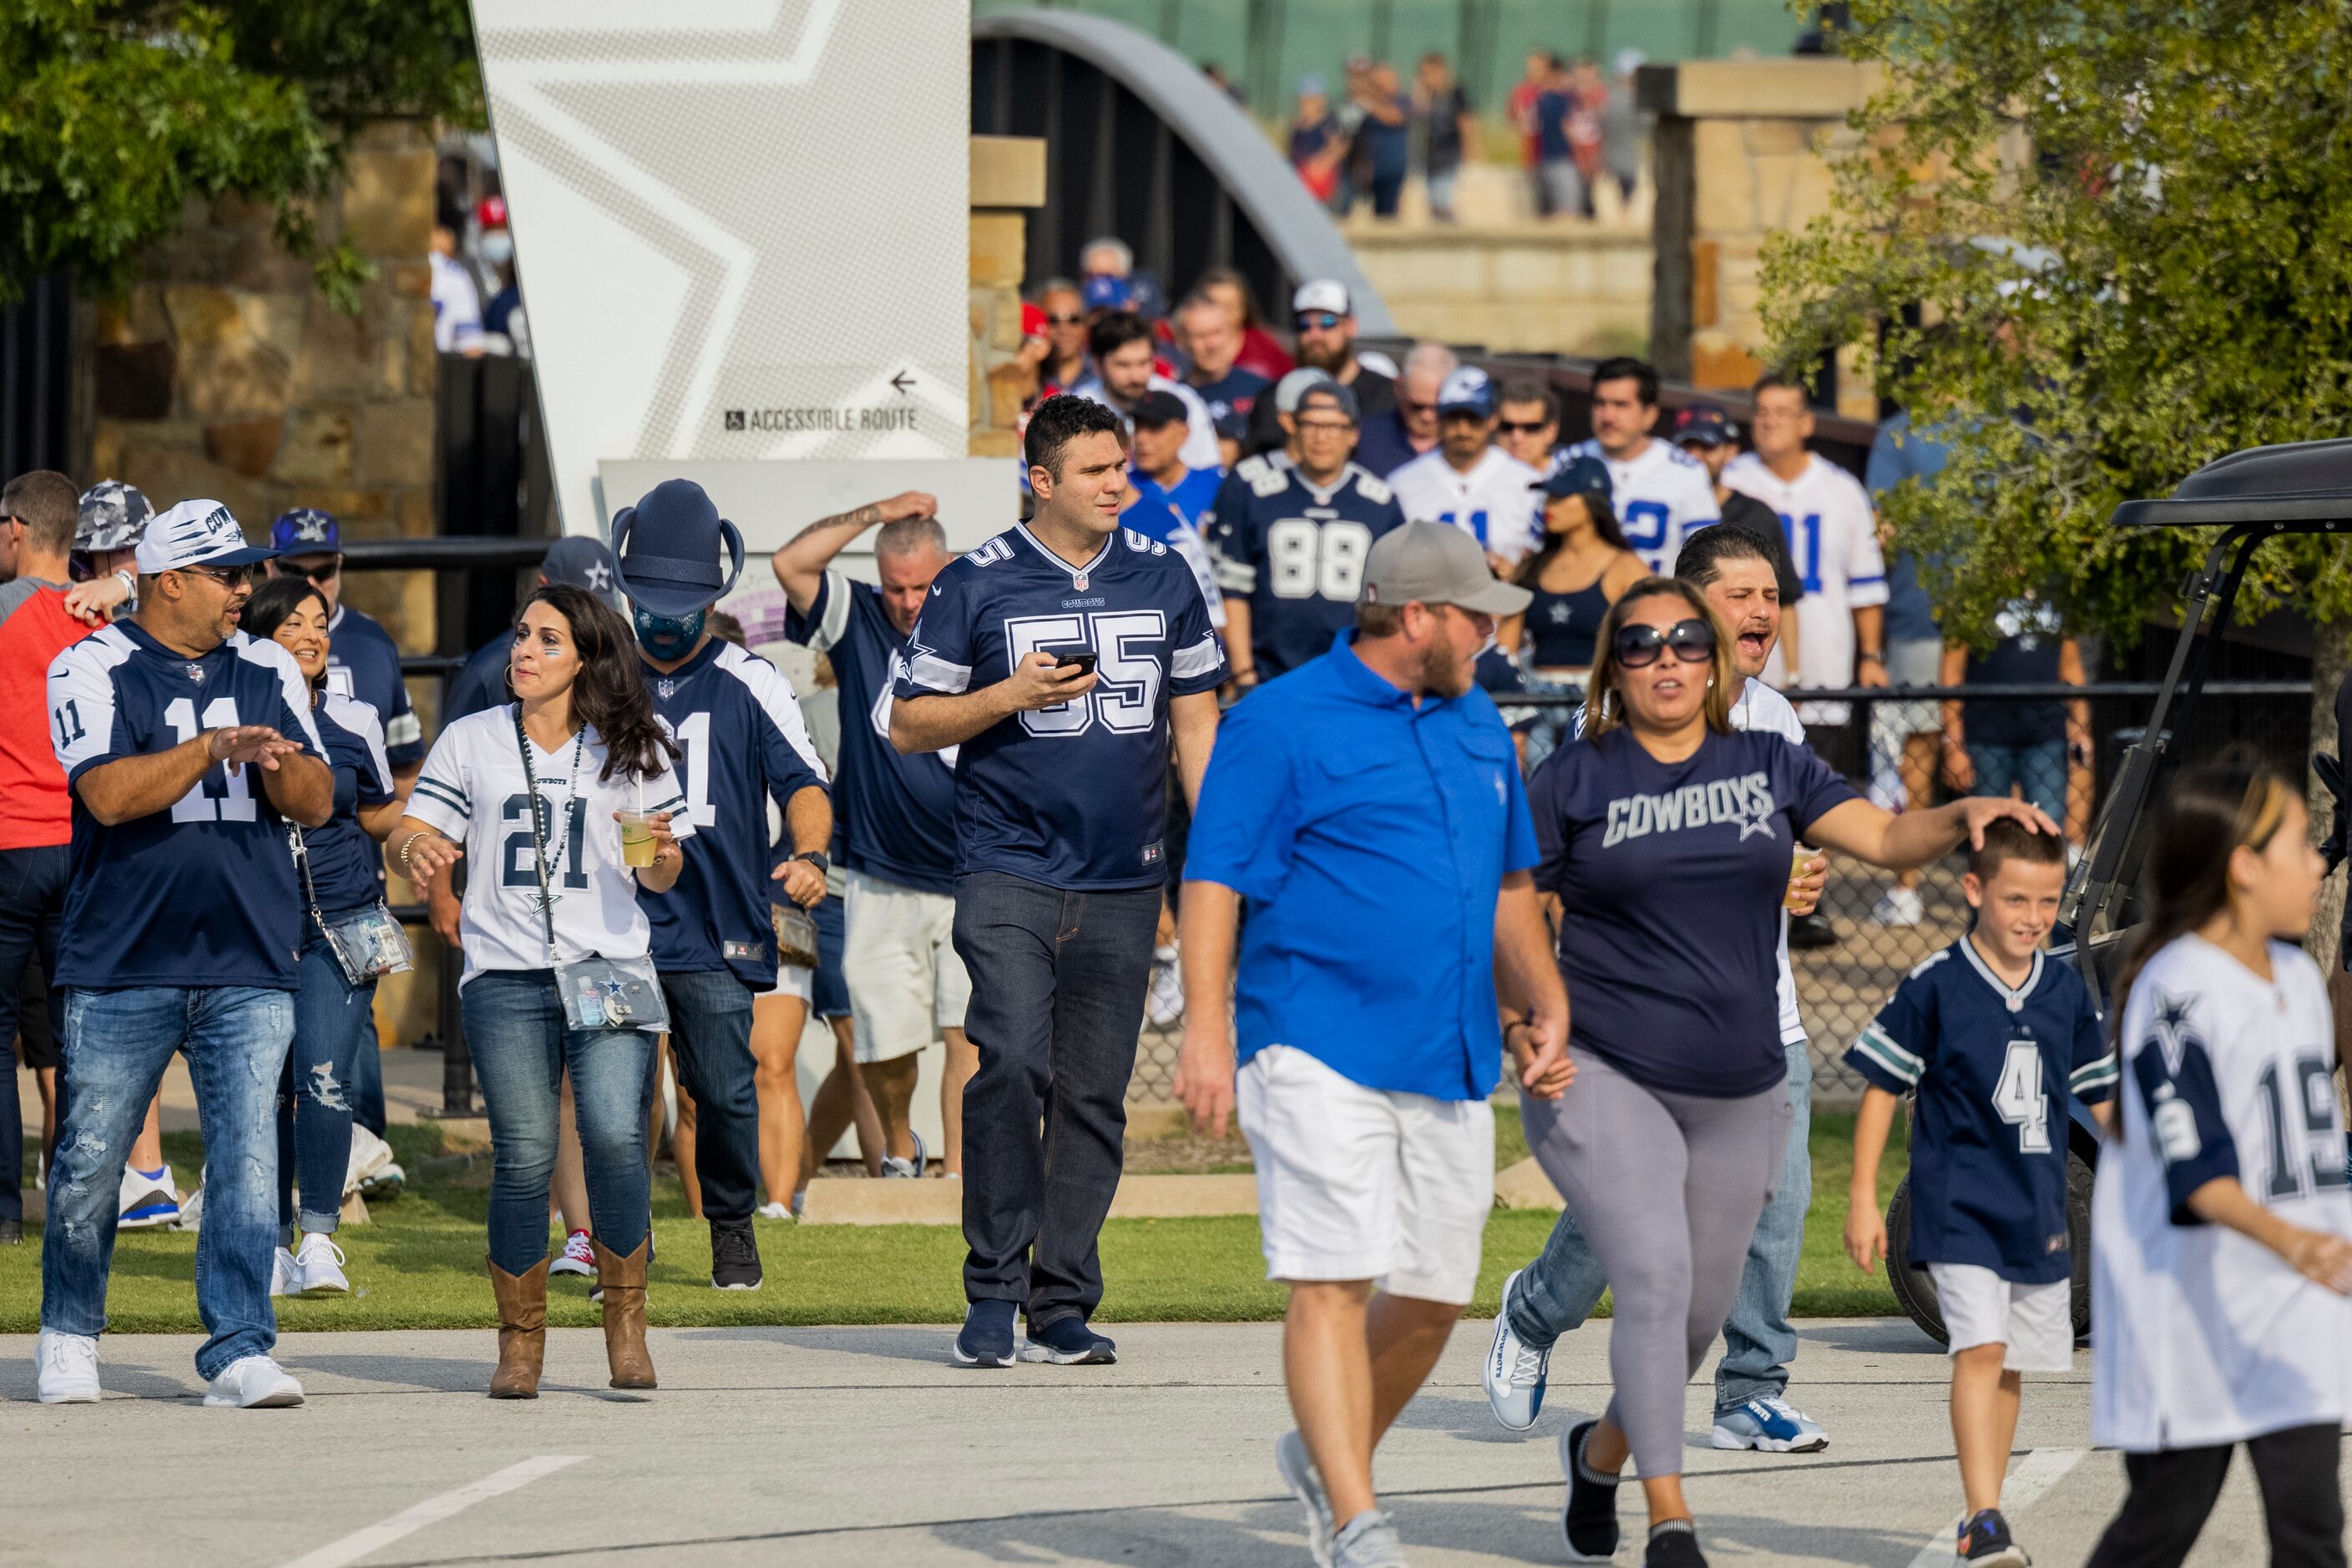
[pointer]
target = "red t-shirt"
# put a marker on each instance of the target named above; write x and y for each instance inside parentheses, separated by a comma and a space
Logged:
(34, 810)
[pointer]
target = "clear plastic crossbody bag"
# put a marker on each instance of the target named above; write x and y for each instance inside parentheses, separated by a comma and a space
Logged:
(795, 935)
(597, 993)
(366, 941)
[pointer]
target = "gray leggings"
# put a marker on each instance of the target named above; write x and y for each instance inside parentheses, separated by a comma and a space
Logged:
(1666, 1187)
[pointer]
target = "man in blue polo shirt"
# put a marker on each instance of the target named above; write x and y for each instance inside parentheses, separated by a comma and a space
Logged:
(743, 744)
(187, 748)
(1377, 777)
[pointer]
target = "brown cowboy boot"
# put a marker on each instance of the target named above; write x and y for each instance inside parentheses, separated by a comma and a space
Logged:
(522, 1330)
(624, 1279)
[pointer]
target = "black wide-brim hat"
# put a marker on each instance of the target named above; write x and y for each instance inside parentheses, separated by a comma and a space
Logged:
(677, 536)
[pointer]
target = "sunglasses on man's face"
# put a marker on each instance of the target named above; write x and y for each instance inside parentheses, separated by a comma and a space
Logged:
(1521, 427)
(1693, 642)
(227, 576)
(1064, 321)
(1319, 321)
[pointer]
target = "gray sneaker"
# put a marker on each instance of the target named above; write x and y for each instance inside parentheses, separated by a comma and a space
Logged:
(1290, 1456)
(1369, 1541)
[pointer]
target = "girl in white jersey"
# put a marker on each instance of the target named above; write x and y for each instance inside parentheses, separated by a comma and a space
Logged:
(2220, 1257)
(552, 933)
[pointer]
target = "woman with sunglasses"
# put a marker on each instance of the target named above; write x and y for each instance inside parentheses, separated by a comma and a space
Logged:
(535, 791)
(1065, 363)
(334, 1016)
(1581, 567)
(1667, 837)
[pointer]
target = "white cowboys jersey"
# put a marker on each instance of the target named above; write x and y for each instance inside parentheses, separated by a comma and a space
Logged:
(2205, 1336)
(1834, 540)
(1493, 501)
(1662, 496)
(472, 790)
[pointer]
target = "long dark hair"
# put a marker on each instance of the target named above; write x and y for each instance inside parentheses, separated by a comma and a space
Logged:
(1604, 704)
(610, 689)
(2236, 801)
(272, 601)
(1604, 524)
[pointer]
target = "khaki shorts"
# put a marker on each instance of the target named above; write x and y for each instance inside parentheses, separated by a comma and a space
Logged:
(898, 959)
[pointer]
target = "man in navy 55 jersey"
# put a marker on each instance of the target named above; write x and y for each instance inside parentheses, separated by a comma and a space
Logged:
(1060, 658)
(743, 744)
(187, 746)
(1290, 542)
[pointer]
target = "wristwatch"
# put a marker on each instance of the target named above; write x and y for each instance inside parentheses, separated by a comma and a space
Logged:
(816, 858)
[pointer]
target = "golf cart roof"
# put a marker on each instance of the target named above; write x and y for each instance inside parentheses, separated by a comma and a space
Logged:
(2301, 486)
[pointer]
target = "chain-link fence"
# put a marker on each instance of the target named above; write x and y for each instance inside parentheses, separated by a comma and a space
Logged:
(2061, 746)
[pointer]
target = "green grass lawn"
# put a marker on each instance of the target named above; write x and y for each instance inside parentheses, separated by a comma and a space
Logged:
(420, 1264)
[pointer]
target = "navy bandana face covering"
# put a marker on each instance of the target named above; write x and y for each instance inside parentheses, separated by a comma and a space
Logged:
(665, 636)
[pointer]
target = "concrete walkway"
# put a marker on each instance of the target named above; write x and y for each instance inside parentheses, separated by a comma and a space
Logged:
(864, 1446)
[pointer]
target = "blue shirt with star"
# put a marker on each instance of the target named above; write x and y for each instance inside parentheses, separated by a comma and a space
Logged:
(363, 662)
(1073, 796)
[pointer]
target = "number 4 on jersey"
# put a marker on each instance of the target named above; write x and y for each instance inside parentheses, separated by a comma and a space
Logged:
(2022, 1099)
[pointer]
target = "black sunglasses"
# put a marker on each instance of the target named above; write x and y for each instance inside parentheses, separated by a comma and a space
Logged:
(1693, 642)
(1318, 320)
(1521, 427)
(227, 576)
(325, 573)
(1064, 321)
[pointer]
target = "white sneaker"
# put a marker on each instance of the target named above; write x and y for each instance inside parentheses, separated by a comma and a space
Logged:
(253, 1382)
(773, 1211)
(1515, 1371)
(892, 1166)
(1899, 907)
(67, 1365)
(148, 1199)
(577, 1257)
(321, 1263)
(370, 1154)
(285, 1274)
(1164, 1003)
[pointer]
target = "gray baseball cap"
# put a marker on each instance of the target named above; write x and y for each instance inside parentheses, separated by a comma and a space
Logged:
(1436, 564)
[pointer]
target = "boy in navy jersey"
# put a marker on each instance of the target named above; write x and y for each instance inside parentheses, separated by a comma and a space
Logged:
(1996, 1040)
(187, 746)
(1060, 658)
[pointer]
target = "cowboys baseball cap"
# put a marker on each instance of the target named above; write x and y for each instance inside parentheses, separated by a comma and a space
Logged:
(1436, 564)
(1578, 477)
(587, 564)
(1104, 292)
(1705, 424)
(1157, 407)
(1294, 384)
(1338, 395)
(1467, 391)
(195, 534)
(1322, 294)
(679, 537)
(306, 531)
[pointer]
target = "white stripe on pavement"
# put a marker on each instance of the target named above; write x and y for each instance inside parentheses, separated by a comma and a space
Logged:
(432, 1510)
(2033, 1475)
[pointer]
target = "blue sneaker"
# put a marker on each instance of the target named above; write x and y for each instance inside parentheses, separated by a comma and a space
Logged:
(1773, 1425)
(1515, 1369)
(1067, 1341)
(987, 1336)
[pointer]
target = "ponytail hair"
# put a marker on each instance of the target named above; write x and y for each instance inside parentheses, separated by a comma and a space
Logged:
(609, 692)
(2235, 802)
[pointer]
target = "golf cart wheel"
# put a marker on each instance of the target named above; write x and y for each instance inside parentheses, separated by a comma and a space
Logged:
(1915, 1288)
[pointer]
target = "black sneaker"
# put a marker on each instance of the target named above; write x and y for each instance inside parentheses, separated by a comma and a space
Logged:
(1985, 1543)
(1674, 1544)
(12, 1233)
(1589, 1522)
(734, 1255)
(1812, 931)
(987, 1336)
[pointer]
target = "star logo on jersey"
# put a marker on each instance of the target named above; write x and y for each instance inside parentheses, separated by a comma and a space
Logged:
(2170, 1024)
(1752, 821)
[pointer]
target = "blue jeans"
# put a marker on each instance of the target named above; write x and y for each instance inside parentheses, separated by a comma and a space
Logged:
(334, 1024)
(2038, 771)
(521, 1049)
(710, 1034)
(116, 1045)
(1560, 1289)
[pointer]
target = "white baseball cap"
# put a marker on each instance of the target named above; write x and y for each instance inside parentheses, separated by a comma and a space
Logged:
(195, 534)
(1322, 294)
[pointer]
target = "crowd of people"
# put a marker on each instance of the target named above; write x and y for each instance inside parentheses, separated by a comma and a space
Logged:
(1224, 687)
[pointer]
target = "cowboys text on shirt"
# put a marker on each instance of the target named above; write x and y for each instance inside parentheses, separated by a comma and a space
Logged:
(1745, 800)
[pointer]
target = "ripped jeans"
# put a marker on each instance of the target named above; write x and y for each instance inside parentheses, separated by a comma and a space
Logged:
(116, 1047)
(334, 1021)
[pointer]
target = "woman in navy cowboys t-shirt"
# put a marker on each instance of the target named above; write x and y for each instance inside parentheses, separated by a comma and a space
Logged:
(1666, 838)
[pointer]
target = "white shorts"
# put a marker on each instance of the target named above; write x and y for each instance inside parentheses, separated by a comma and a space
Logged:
(898, 959)
(1366, 1184)
(797, 980)
(1981, 1308)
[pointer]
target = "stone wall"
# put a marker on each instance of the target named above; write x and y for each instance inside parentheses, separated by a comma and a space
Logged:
(1530, 287)
(223, 373)
(1008, 175)
(1743, 150)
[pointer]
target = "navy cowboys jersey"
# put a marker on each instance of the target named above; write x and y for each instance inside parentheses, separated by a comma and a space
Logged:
(1995, 1068)
(202, 893)
(739, 727)
(893, 815)
(1073, 796)
(362, 661)
(1296, 551)
(346, 866)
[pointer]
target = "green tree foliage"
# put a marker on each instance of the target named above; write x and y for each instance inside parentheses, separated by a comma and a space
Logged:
(2127, 225)
(115, 114)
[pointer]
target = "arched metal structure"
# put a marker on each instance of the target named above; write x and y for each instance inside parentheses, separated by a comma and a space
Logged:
(1139, 144)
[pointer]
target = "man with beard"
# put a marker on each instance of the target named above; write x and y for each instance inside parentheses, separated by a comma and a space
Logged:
(1325, 320)
(1369, 1047)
